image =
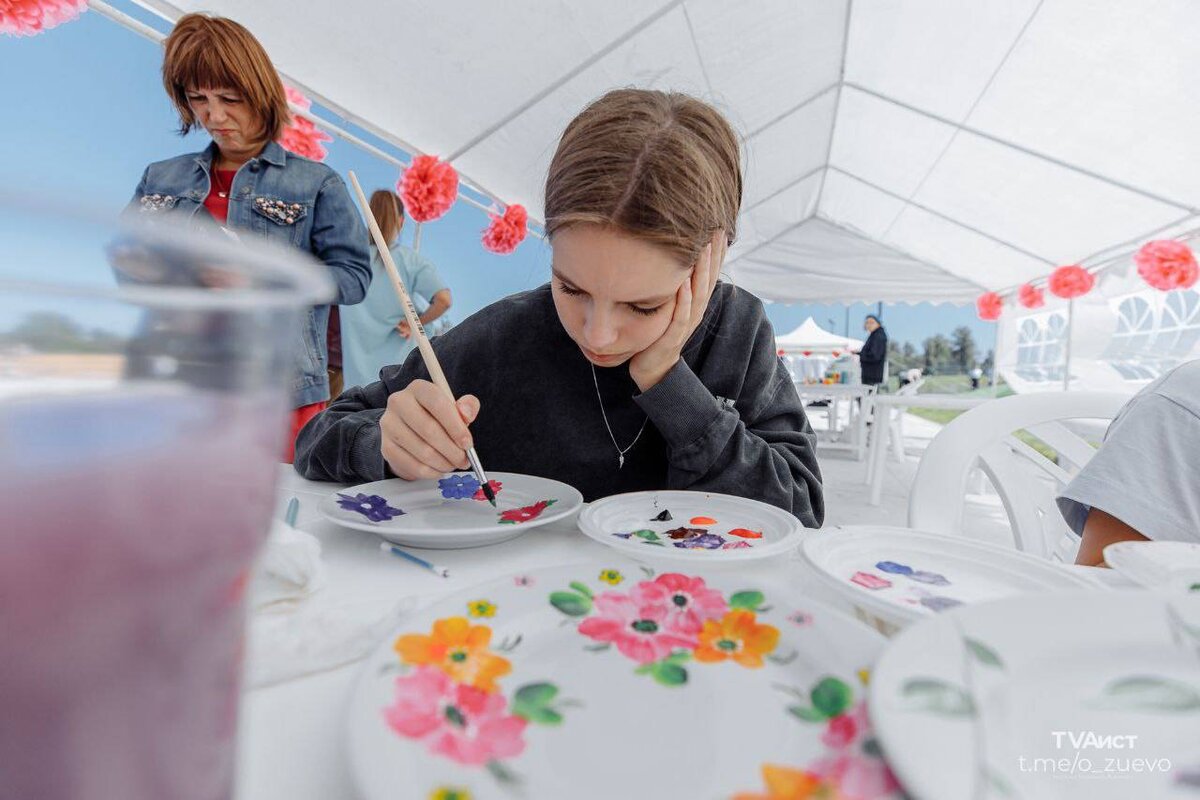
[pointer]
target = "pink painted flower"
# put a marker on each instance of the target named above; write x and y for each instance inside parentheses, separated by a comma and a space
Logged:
(738, 545)
(638, 628)
(465, 724)
(846, 729)
(1070, 281)
(507, 230)
(1167, 264)
(857, 777)
(688, 601)
(868, 580)
(1030, 296)
(31, 17)
(428, 188)
(988, 306)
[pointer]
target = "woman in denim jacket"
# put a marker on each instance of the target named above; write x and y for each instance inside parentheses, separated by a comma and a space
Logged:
(220, 78)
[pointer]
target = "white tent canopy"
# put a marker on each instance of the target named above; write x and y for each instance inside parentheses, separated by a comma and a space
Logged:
(895, 151)
(812, 338)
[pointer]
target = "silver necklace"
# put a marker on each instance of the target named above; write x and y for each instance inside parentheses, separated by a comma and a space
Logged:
(620, 453)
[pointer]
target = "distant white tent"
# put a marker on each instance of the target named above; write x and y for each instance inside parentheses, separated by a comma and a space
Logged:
(812, 338)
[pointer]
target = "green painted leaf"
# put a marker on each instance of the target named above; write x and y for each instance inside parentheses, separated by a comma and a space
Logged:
(501, 773)
(543, 716)
(599, 647)
(646, 669)
(537, 694)
(1150, 693)
(807, 714)
(983, 653)
(997, 782)
(649, 536)
(783, 660)
(571, 604)
(937, 697)
(678, 657)
(647, 571)
(670, 674)
(582, 589)
(749, 600)
(832, 696)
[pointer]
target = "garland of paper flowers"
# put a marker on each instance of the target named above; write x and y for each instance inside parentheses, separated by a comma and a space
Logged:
(428, 188)
(31, 17)
(507, 230)
(1164, 264)
(300, 135)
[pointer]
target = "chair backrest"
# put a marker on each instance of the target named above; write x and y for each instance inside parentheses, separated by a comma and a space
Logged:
(1026, 478)
(910, 388)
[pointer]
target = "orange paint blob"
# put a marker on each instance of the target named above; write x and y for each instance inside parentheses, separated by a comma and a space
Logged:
(703, 521)
(746, 534)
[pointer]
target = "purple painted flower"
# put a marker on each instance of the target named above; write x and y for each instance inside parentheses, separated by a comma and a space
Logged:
(371, 506)
(894, 568)
(705, 541)
(932, 578)
(458, 487)
(938, 603)
(623, 535)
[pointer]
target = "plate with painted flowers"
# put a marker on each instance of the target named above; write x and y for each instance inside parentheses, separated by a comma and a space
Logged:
(611, 679)
(686, 527)
(895, 576)
(451, 512)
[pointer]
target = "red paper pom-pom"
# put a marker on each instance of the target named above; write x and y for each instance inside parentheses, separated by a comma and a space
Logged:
(507, 230)
(300, 135)
(807, 353)
(428, 188)
(1030, 296)
(989, 305)
(1167, 264)
(837, 353)
(31, 17)
(1070, 281)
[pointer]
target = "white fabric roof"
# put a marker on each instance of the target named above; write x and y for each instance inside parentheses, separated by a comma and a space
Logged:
(896, 151)
(810, 336)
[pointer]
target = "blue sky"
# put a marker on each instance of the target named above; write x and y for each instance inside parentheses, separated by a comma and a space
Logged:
(85, 112)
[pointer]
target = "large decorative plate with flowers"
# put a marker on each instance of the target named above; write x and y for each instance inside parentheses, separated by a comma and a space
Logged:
(613, 680)
(1089, 695)
(691, 528)
(452, 512)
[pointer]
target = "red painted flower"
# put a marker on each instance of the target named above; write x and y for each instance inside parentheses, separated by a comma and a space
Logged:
(479, 495)
(1030, 296)
(526, 513)
(507, 230)
(428, 188)
(31, 17)
(1070, 281)
(989, 305)
(300, 135)
(1167, 264)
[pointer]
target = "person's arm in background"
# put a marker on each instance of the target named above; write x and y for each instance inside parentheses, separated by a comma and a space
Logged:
(428, 284)
(439, 304)
(339, 240)
(1099, 532)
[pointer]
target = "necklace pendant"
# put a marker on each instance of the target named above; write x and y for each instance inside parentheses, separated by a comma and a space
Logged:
(222, 194)
(620, 460)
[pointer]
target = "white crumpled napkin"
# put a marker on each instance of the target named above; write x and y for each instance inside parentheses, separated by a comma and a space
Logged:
(289, 568)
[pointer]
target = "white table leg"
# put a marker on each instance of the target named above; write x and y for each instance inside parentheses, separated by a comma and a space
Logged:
(878, 465)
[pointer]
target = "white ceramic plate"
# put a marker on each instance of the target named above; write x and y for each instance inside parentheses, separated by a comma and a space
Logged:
(895, 576)
(1075, 695)
(703, 528)
(444, 515)
(606, 679)
(1157, 565)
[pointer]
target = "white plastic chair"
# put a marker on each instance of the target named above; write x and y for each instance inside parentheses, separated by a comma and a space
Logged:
(892, 427)
(1026, 480)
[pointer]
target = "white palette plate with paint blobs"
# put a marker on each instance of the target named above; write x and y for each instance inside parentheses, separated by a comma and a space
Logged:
(896, 576)
(691, 527)
(1170, 566)
(451, 512)
(1069, 695)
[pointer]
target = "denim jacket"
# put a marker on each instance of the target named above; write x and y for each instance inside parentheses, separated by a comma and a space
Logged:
(288, 199)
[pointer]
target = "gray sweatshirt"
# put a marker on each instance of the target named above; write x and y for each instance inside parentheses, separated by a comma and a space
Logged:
(726, 418)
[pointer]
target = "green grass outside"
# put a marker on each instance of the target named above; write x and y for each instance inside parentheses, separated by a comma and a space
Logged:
(943, 415)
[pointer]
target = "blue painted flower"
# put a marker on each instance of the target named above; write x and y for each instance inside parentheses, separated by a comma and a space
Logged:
(894, 568)
(937, 603)
(458, 487)
(932, 578)
(705, 541)
(623, 535)
(371, 506)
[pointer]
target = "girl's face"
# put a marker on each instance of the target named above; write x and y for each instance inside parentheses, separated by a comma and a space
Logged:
(614, 293)
(228, 118)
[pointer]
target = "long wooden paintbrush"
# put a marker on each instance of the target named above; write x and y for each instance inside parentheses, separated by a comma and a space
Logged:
(418, 330)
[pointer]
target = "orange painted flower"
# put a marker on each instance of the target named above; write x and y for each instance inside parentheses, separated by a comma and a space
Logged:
(738, 636)
(457, 648)
(790, 784)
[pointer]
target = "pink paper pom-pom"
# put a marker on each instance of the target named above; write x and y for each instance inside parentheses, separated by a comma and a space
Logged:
(989, 305)
(300, 135)
(1030, 296)
(507, 230)
(1167, 264)
(31, 17)
(1070, 281)
(428, 188)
